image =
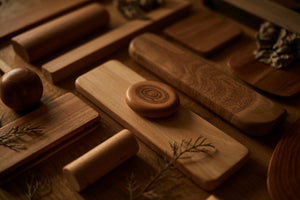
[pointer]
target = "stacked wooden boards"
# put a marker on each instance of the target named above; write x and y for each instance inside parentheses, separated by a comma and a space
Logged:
(106, 86)
(234, 102)
(88, 53)
(60, 123)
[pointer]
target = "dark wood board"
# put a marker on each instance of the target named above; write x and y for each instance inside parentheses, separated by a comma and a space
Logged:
(234, 102)
(284, 169)
(60, 124)
(282, 82)
(204, 32)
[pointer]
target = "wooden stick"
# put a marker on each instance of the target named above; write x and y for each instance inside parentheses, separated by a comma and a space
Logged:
(91, 166)
(51, 36)
(36, 15)
(88, 53)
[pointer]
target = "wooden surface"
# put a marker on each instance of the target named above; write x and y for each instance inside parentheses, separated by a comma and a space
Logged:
(87, 54)
(248, 183)
(283, 173)
(36, 15)
(282, 82)
(239, 105)
(203, 32)
(106, 86)
(60, 123)
(62, 31)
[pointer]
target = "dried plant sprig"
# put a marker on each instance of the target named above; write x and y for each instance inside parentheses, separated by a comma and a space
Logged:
(37, 187)
(179, 150)
(12, 138)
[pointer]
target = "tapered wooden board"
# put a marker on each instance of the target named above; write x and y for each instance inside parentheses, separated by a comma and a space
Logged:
(61, 121)
(103, 45)
(36, 15)
(281, 82)
(234, 102)
(106, 86)
(283, 174)
(204, 32)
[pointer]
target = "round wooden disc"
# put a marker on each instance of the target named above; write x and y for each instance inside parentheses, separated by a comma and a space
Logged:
(152, 99)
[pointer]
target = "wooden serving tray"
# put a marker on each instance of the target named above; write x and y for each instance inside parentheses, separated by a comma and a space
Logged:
(103, 45)
(284, 169)
(281, 82)
(204, 32)
(106, 86)
(234, 102)
(46, 10)
(61, 121)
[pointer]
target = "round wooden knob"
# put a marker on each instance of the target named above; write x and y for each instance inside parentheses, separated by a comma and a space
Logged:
(152, 99)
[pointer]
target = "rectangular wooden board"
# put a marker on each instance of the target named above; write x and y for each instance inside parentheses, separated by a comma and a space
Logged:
(87, 54)
(106, 86)
(44, 11)
(244, 108)
(61, 121)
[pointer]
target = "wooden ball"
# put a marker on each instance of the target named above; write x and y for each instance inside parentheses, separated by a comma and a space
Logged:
(152, 99)
(21, 89)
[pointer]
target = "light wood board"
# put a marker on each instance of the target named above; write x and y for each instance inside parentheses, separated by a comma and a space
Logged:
(281, 82)
(234, 102)
(203, 32)
(106, 86)
(85, 55)
(36, 15)
(60, 124)
(284, 169)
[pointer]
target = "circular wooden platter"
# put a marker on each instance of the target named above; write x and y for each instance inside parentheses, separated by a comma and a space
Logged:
(284, 169)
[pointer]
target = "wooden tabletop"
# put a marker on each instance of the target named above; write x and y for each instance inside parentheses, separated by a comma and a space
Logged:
(248, 183)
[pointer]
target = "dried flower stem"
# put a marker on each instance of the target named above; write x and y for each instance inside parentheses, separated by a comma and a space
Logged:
(186, 146)
(37, 187)
(15, 134)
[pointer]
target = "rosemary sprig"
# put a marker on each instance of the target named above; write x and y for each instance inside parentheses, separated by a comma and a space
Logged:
(12, 138)
(179, 150)
(37, 187)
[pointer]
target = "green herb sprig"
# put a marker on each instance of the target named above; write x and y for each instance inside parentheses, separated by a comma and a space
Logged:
(13, 137)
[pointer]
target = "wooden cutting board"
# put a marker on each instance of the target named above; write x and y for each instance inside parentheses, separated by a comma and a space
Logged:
(234, 102)
(61, 124)
(284, 169)
(87, 54)
(204, 32)
(281, 82)
(36, 15)
(106, 86)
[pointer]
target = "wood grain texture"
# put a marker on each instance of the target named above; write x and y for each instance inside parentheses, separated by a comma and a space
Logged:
(36, 15)
(270, 11)
(234, 102)
(85, 55)
(49, 37)
(4, 67)
(204, 32)
(283, 174)
(61, 123)
(281, 82)
(106, 86)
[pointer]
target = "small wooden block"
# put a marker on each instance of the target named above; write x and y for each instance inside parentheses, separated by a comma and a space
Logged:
(38, 14)
(204, 32)
(284, 169)
(281, 82)
(152, 99)
(87, 54)
(61, 121)
(234, 102)
(106, 86)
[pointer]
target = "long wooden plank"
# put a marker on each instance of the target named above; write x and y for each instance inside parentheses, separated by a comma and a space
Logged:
(36, 15)
(270, 11)
(106, 86)
(88, 53)
(234, 102)
(60, 123)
